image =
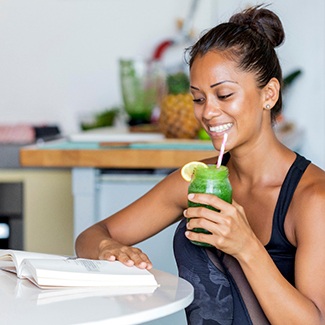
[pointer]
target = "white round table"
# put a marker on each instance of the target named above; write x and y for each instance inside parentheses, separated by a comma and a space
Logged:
(23, 303)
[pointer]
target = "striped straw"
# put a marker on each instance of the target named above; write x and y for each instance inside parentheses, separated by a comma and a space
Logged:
(222, 149)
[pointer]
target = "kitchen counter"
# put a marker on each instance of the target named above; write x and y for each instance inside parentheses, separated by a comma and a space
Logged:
(119, 148)
(9, 153)
(140, 155)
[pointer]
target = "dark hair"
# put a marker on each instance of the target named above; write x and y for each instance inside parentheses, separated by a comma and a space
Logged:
(250, 38)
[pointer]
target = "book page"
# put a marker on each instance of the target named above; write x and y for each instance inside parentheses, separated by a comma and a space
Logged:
(84, 272)
(11, 260)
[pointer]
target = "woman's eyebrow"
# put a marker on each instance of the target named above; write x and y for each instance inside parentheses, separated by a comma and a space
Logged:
(216, 84)
(222, 82)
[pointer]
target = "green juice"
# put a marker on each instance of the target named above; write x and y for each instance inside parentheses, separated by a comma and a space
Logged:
(211, 180)
(141, 82)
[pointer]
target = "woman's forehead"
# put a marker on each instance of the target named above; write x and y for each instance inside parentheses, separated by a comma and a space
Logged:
(214, 66)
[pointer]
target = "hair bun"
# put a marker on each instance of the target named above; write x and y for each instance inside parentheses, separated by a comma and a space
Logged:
(262, 21)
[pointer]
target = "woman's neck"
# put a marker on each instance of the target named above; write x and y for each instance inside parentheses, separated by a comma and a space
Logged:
(263, 163)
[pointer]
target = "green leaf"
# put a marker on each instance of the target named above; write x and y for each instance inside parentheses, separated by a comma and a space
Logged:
(178, 83)
(290, 78)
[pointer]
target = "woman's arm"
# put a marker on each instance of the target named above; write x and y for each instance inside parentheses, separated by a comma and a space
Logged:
(281, 302)
(113, 237)
(304, 303)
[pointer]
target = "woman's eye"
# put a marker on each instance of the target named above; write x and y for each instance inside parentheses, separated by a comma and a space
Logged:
(224, 96)
(198, 100)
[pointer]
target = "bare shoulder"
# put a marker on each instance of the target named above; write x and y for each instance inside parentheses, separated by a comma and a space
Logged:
(308, 212)
(312, 184)
(308, 205)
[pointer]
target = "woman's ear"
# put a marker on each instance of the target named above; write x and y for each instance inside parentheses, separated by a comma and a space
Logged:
(271, 93)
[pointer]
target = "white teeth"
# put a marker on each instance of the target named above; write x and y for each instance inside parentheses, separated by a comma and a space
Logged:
(221, 128)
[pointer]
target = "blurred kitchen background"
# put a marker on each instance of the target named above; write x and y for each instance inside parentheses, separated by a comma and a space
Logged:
(59, 62)
(59, 58)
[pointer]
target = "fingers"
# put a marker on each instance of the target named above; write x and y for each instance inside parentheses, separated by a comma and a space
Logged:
(127, 255)
(221, 222)
(208, 199)
(200, 237)
(229, 228)
(202, 212)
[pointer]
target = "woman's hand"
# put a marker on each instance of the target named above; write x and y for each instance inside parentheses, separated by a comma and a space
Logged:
(230, 231)
(113, 251)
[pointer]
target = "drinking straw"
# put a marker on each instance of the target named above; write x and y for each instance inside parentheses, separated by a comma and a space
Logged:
(222, 149)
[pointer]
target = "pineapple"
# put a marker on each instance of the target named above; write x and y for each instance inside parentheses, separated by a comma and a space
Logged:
(177, 119)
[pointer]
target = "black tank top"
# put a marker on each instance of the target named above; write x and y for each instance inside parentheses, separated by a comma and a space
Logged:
(280, 249)
(217, 299)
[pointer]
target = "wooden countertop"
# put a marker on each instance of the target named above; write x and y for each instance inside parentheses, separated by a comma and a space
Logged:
(161, 154)
(111, 148)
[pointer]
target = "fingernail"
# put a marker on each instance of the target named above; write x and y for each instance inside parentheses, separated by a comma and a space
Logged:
(143, 265)
(191, 196)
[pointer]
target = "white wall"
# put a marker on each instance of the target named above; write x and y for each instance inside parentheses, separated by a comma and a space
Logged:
(58, 58)
(304, 48)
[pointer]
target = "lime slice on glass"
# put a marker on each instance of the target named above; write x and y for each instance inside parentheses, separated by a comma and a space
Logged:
(188, 169)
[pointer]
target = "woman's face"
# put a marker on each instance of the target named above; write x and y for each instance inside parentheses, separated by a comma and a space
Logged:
(226, 100)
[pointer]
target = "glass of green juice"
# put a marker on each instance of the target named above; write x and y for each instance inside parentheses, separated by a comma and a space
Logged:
(211, 180)
(142, 85)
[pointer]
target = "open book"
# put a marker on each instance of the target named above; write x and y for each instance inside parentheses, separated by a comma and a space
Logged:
(49, 271)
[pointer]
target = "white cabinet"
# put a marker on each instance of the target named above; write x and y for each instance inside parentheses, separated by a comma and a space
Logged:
(99, 194)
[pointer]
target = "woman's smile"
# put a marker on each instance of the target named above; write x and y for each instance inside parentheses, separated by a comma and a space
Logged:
(220, 128)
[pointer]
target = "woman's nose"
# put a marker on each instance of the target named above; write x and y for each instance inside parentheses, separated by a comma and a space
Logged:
(211, 109)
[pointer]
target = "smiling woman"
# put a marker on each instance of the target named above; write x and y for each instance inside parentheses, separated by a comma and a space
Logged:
(233, 94)
(265, 247)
